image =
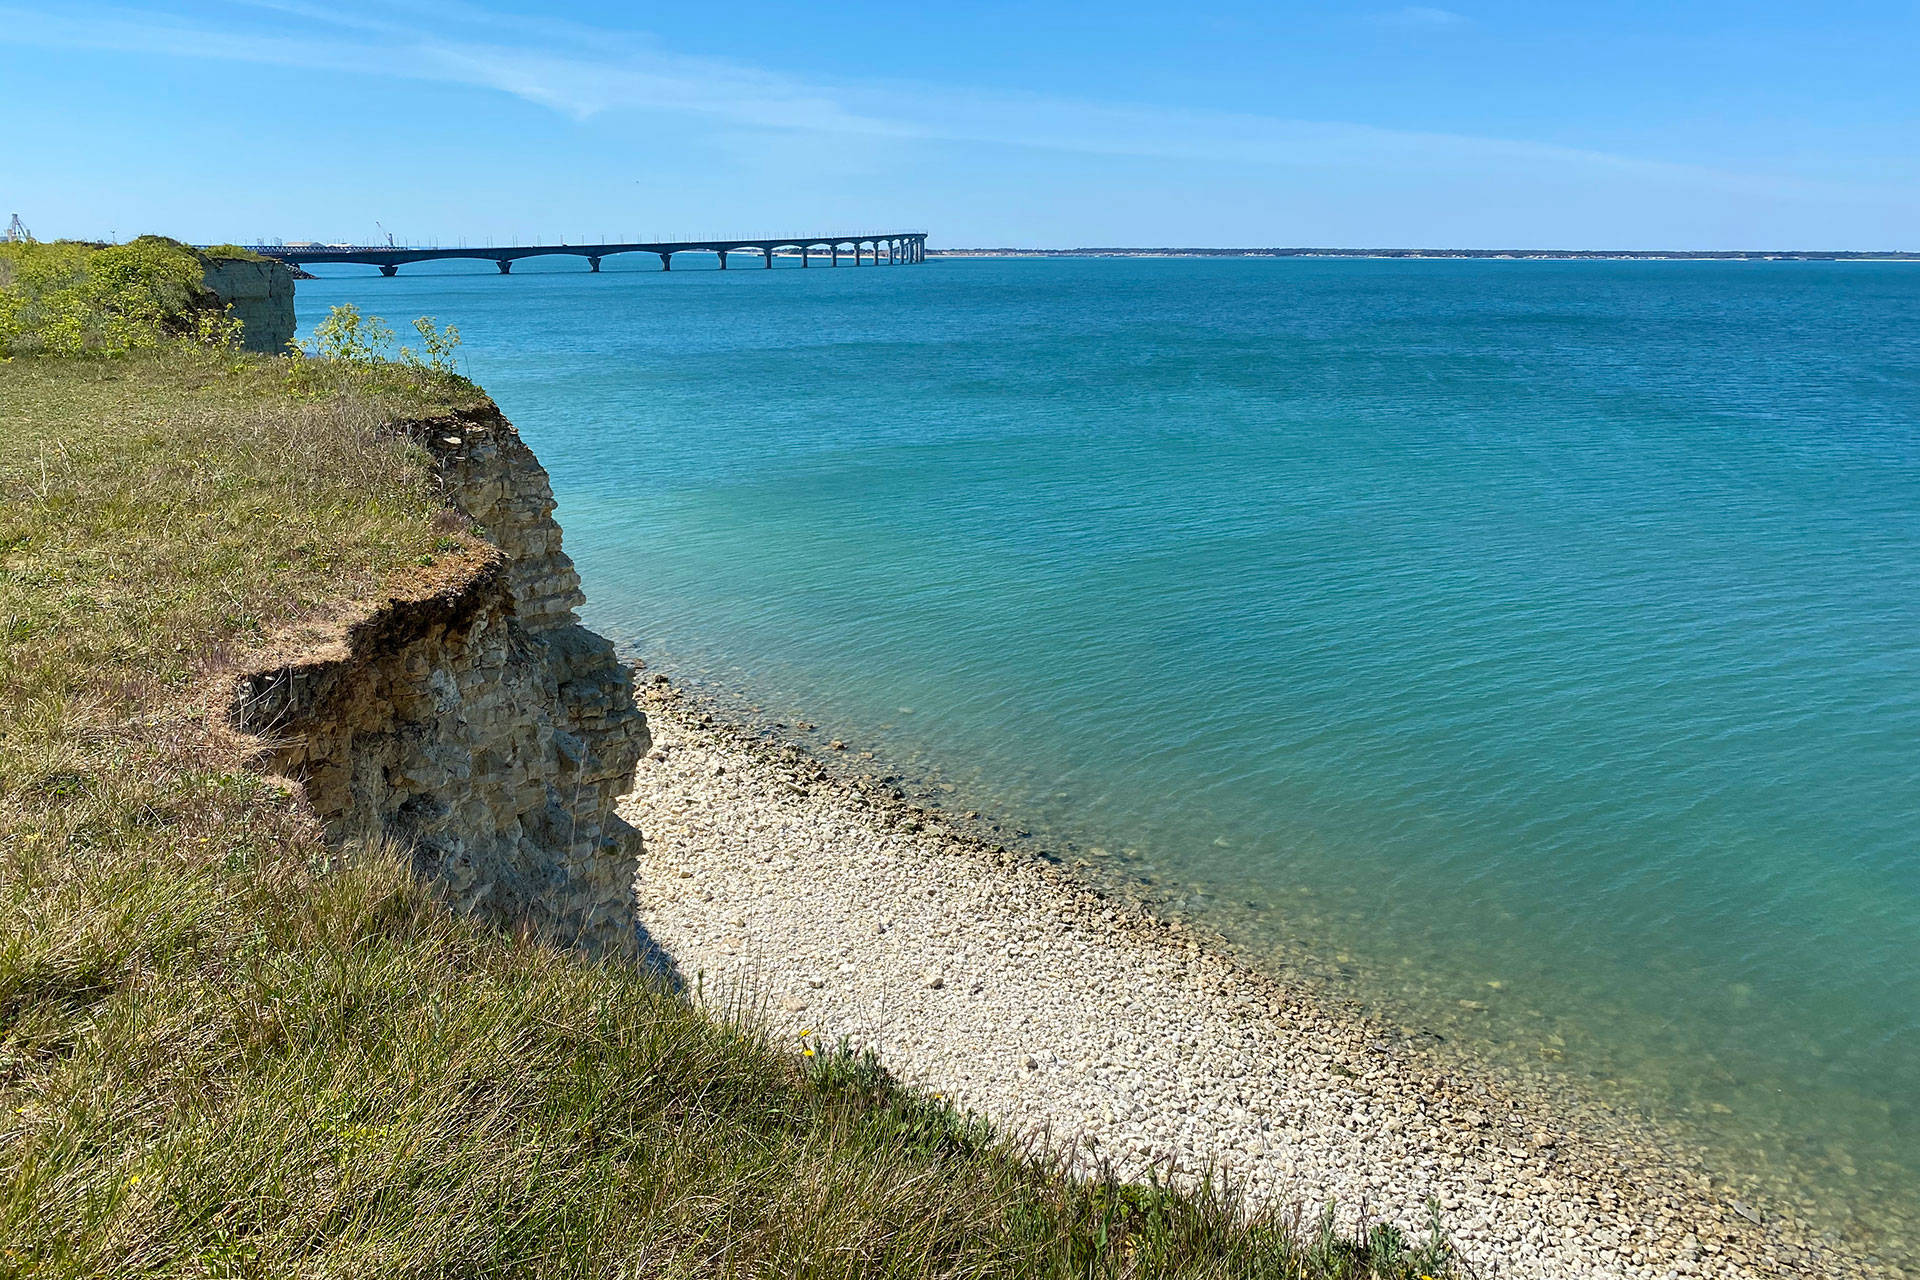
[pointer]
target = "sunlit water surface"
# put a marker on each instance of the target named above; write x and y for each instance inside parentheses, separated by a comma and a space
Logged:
(1532, 648)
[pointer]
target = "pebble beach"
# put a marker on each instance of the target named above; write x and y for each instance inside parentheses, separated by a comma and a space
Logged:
(821, 903)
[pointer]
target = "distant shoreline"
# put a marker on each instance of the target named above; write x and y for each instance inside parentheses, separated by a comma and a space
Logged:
(1554, 255)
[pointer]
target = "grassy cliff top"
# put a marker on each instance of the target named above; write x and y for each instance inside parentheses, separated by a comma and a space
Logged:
(226, 1049)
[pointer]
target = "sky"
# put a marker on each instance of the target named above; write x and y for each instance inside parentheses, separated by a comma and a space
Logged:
(1635, 124)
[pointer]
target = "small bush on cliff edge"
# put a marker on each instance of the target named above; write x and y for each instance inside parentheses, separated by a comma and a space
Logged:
(438, 344)
(347, 335)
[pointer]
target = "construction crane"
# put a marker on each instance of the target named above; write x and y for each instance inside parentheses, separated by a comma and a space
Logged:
(17, 232)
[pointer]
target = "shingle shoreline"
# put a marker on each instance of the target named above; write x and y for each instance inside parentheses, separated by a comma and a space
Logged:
(1023, 992)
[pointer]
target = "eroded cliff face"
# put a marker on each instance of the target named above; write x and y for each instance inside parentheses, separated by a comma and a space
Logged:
(476, 723)
(259, 295)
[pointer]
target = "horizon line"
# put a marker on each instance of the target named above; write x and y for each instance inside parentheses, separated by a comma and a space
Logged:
(1434, 252)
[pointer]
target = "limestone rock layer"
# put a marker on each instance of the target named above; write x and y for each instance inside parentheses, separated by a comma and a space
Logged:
(477, 723)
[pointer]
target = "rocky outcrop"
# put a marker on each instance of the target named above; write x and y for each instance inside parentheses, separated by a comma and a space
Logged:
(475, 721)
(259, 294)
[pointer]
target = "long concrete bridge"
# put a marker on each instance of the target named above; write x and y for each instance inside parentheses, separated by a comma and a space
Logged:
(889, 248)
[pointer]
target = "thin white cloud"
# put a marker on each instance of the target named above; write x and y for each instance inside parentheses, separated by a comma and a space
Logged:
(577, 83)
(1420, 17)
(584, 72)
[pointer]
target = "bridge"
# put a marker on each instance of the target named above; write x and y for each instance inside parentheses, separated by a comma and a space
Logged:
(888, 247)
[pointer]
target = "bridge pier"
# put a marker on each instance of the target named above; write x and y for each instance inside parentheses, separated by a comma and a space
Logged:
(723, 258)
(835, 250)
(666, 262)
(593, 263)
(768, 254)
(391, 269)
(505, 265)
(803, 255)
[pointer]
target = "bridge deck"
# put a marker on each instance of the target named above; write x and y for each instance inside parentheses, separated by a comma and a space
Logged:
(894, 246)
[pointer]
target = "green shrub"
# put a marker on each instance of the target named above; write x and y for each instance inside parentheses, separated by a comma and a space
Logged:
(439, 344)
(69, 298)
(347, 335)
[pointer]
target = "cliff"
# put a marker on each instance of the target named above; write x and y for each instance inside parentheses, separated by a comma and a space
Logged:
(474, 721)
(226, 1047)
(260, 293)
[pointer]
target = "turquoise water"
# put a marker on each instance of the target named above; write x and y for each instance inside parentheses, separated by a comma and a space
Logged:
(1531, 649)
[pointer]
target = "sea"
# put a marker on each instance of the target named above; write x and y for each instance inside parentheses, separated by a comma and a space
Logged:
(1525, 651)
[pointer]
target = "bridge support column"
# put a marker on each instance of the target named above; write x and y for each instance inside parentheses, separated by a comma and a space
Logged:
(391, 269)
(836, 253)
(768, 254)
(593, 264)
(666, 262)
(723, 258)
(803, 255)
(506, 266)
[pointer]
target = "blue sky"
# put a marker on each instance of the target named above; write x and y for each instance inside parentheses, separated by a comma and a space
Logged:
(1625, 125)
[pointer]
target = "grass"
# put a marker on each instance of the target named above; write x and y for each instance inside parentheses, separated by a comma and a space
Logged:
(226, 1049)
